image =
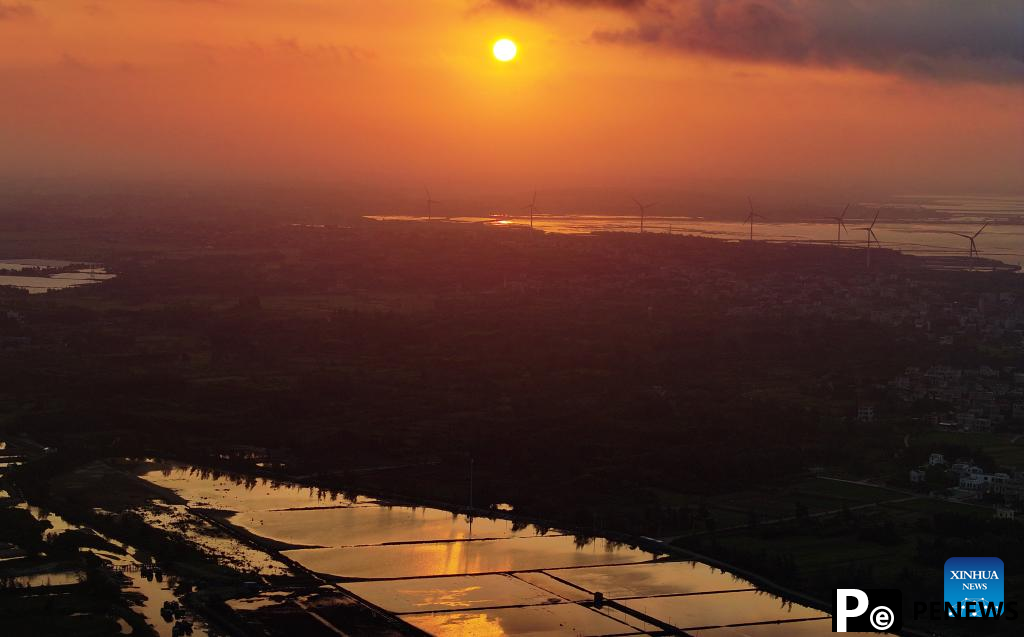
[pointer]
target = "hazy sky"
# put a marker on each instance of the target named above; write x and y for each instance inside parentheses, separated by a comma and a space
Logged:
(891, 95)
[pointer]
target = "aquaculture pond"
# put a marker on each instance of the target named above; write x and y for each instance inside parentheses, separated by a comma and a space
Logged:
(449, 574)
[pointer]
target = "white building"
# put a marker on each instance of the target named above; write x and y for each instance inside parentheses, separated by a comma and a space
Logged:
(961, 465)
(977, 480)
(972, 482)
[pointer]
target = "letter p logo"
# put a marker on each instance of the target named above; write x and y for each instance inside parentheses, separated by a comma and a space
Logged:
(876, 610)
(843, 610)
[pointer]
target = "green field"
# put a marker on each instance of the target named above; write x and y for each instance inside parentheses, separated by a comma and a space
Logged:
(1006, 449)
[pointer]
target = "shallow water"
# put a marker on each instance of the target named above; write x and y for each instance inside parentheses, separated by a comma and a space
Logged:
(40, 284)
(554, 586)
(811, 628)
(56, 578)
(224, 548)
(221, 491)
(362, 525)
(660, 578)
(532, 621)
(451, 593)
(1004, 242)
(53, 282)
(263, 600)
(417, 562)
(24, 264)
(452, 558)
(156, 592)
(720, 609)
(57, 524)
(363, 538)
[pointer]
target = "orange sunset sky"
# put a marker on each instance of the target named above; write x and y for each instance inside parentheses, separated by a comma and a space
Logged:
(892, 96)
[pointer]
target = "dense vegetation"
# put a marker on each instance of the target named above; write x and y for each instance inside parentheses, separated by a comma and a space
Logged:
(571, 370)
(620, 383)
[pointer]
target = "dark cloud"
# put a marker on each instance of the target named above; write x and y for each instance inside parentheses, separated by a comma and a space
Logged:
(15, 11)
(939, 39)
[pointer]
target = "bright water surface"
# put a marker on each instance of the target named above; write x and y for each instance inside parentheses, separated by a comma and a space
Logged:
(155, 591)
(53, 282)
(450, 577)
(1002, 240)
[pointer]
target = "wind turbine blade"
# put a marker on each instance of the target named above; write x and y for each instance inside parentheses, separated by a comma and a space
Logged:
(843, 225)
(844, 212)
(982, 228)
(751, 204)
(877, 212)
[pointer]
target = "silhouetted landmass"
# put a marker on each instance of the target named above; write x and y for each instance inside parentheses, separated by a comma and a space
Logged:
(620, 382)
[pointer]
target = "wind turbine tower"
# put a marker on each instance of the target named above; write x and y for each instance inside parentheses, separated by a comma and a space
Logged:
(533, 208)
(972, 251)
(643, 212)
(840, 226)
(750, 217)
(430, 205)
(871, 235)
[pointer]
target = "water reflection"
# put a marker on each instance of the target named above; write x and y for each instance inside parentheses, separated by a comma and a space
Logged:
(811, 628)
(361, 537)
(50, 282)
(51, 578)
(213, 541)
(451, 558)
(152, 592)
(721, 609)
(356, 526)
(449, 575)
(19, 265)
(1004, 241)
(57, 524)
(535, 621)
(451, 593)
(219, 490)
(659, 578)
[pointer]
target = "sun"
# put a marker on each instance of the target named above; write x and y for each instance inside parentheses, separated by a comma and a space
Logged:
(505, 50)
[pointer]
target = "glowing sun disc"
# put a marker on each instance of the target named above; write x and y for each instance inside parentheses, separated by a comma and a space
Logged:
(505, 50)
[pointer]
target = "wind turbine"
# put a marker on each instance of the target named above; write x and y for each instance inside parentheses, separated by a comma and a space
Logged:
(430, 204)
(533, 208)
(750, 218)
(972, 251)
(871, 235)
(643, 211)
(840, 226)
